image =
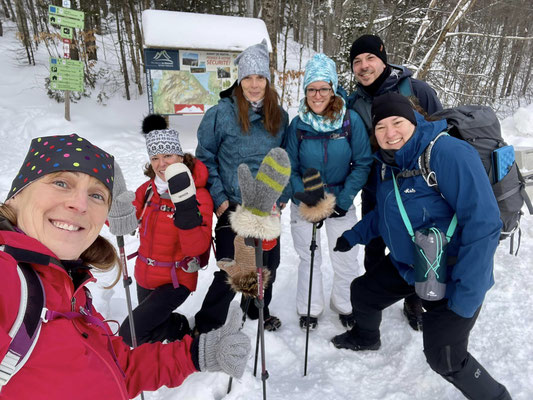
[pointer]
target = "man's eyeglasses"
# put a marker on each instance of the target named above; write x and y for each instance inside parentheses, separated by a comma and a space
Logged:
(322, 91)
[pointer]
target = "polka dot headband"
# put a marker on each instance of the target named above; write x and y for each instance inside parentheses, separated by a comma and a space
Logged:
(63, 153)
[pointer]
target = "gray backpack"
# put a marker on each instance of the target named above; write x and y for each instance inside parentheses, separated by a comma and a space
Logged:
(479, 126)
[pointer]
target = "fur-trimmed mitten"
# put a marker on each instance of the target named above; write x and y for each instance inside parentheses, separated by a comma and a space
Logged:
(183, 195)
(122, 218)
(242, 271)
(253, 218)
(315, 204)
(227, 348)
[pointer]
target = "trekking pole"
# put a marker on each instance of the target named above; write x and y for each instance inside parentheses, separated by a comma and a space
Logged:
(256, 353)
(127, 282)
(312, 248)
(246, 305)
(260, 303)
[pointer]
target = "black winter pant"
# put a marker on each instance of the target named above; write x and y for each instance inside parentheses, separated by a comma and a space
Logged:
(375, 249)
(445, 333)
(154, 317)
(215, 306)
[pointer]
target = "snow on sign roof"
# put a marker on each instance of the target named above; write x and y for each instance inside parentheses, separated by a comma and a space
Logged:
(181, 30)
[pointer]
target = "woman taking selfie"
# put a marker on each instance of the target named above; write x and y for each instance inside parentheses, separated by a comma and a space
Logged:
(49, 236)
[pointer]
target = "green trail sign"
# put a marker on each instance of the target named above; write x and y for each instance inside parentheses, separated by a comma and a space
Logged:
(65, 62)
(65, 76)
(64, 21)
(66, 12)
(66, 85)
(66, 32)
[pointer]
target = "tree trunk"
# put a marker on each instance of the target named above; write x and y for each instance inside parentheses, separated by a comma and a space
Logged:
(270, 16)
(122, 56)
(23, 30)
(460, 9)
(133, 49)
(8, 10)
(422, 30)
(137, 30)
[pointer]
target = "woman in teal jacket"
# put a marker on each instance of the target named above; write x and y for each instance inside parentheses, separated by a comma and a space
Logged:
(464, 191)
(333, 140)
(242, 128)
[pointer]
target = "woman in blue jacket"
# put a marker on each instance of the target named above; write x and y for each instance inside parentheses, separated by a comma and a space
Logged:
(333, 140)
(464, 195)
(243, 127)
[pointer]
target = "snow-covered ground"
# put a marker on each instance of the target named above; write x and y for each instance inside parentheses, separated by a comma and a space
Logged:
(501, 339)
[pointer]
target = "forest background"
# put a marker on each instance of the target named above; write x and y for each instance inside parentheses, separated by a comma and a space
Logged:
(470, 51)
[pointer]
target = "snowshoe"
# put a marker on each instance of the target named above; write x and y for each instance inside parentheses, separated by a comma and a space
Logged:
(313, 323)
(351, 340)
(272, 323)
(413, 311)
(347, 320)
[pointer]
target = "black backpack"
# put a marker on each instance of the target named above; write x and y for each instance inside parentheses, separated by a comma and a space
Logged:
(479, 126)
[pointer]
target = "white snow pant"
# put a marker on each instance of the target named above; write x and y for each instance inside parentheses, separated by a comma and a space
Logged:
(345, 265)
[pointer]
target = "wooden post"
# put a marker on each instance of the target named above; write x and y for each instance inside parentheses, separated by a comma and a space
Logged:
(67, 105)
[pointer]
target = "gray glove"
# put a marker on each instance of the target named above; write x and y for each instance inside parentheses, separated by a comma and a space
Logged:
(225, 349)
(259, 195)
(122, 218)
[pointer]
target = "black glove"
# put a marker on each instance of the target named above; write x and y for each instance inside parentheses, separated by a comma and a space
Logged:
(338, 212)
(183, 195)
(313, 188)
(342, 245)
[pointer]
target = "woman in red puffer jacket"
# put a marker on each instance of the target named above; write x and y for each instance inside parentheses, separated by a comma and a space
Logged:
(172, 247)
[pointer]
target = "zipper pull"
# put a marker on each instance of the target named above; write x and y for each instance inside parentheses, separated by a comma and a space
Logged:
(73, 304)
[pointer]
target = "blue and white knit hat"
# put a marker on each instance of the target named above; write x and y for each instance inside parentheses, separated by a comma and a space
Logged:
(163, 141)
(254, 60)
(321, 68)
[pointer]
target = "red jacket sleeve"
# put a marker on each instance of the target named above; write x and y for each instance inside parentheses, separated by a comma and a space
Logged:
(152, 365)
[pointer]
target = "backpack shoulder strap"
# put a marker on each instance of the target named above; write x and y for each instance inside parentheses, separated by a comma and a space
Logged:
(147, 196)
(347, 126)
(27, 326)
(424, 163)
(404, 87)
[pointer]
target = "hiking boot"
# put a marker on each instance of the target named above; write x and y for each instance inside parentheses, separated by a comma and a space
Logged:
(347, 320)
(352, 341)
(272, 323)
(413, 310)
(313, 323)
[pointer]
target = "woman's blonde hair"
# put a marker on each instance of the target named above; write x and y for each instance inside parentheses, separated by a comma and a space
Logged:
(101, 254)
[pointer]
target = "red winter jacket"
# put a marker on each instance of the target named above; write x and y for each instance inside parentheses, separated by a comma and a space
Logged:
(163, 242)
(71, 359)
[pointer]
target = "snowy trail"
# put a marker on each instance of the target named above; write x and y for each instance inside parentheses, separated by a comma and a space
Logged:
(501, 339)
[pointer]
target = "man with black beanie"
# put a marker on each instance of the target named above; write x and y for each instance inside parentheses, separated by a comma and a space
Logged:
(375, 76)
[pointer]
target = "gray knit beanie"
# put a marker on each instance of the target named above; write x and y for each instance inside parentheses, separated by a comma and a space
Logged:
(254, 60)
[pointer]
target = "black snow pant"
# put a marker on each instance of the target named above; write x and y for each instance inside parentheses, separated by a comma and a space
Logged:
(445, 333)
(375, 249)
(154, 317)
(214, 310)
